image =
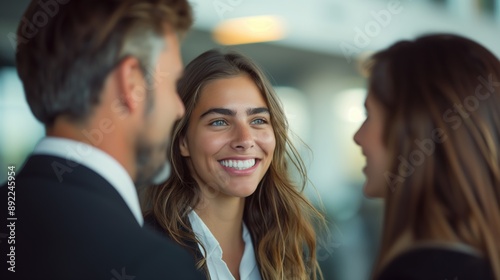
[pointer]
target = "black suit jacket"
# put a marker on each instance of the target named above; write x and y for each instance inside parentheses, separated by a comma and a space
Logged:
(429, 263)
(80, 228)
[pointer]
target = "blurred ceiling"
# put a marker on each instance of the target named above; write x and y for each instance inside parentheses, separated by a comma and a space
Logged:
(343, 29)
(330, 25)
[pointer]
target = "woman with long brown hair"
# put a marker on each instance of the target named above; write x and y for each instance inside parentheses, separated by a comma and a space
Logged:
(231, 199)
(431, 140)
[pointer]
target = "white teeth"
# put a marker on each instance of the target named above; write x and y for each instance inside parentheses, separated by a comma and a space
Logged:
(238, 164)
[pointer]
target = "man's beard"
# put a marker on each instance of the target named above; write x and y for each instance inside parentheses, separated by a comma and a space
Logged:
(152, 166)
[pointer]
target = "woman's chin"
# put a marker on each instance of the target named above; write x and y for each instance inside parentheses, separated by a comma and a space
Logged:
(371, 191)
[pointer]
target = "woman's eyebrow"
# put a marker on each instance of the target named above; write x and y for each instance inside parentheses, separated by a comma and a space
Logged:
(229, 112)
(259, 110)
(219, 111)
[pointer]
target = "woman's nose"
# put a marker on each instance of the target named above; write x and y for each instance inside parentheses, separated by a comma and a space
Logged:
(357, 136)
(243, 138)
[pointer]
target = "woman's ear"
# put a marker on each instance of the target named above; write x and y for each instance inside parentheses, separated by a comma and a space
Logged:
(183, 146)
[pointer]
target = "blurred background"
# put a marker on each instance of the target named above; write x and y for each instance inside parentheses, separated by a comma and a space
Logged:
(311, 52)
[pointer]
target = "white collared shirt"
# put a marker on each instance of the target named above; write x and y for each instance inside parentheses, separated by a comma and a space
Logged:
(216, 266)
(97, 160)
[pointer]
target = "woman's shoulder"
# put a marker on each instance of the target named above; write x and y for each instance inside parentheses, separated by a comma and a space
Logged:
(438, 262)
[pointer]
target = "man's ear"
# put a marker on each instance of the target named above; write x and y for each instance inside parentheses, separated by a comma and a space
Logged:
(183, 146)
(130, 83)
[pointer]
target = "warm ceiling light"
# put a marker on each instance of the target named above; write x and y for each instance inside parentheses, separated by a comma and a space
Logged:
(249, 30)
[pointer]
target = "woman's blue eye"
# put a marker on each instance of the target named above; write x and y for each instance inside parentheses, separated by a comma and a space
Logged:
(218, 123)
(259, 121)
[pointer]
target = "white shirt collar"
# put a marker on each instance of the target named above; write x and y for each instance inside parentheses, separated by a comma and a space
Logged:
(97, 160)
(216, 266)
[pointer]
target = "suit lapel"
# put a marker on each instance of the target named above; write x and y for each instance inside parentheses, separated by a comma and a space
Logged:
(69, 174)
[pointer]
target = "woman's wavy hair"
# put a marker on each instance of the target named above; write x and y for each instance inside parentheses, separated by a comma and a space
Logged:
(279, 217)
(441, 98)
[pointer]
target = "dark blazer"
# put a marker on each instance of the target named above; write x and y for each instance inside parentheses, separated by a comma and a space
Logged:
(191, 246)
(80, 228)
(437, 263)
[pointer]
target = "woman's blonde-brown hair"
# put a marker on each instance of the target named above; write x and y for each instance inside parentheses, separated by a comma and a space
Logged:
(278, 216)
(441, 98)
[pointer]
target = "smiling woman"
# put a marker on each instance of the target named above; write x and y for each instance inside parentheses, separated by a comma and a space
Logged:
(229, 141)
(231, 199)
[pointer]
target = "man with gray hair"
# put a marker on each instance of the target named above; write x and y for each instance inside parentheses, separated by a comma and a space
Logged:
(101, 76)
